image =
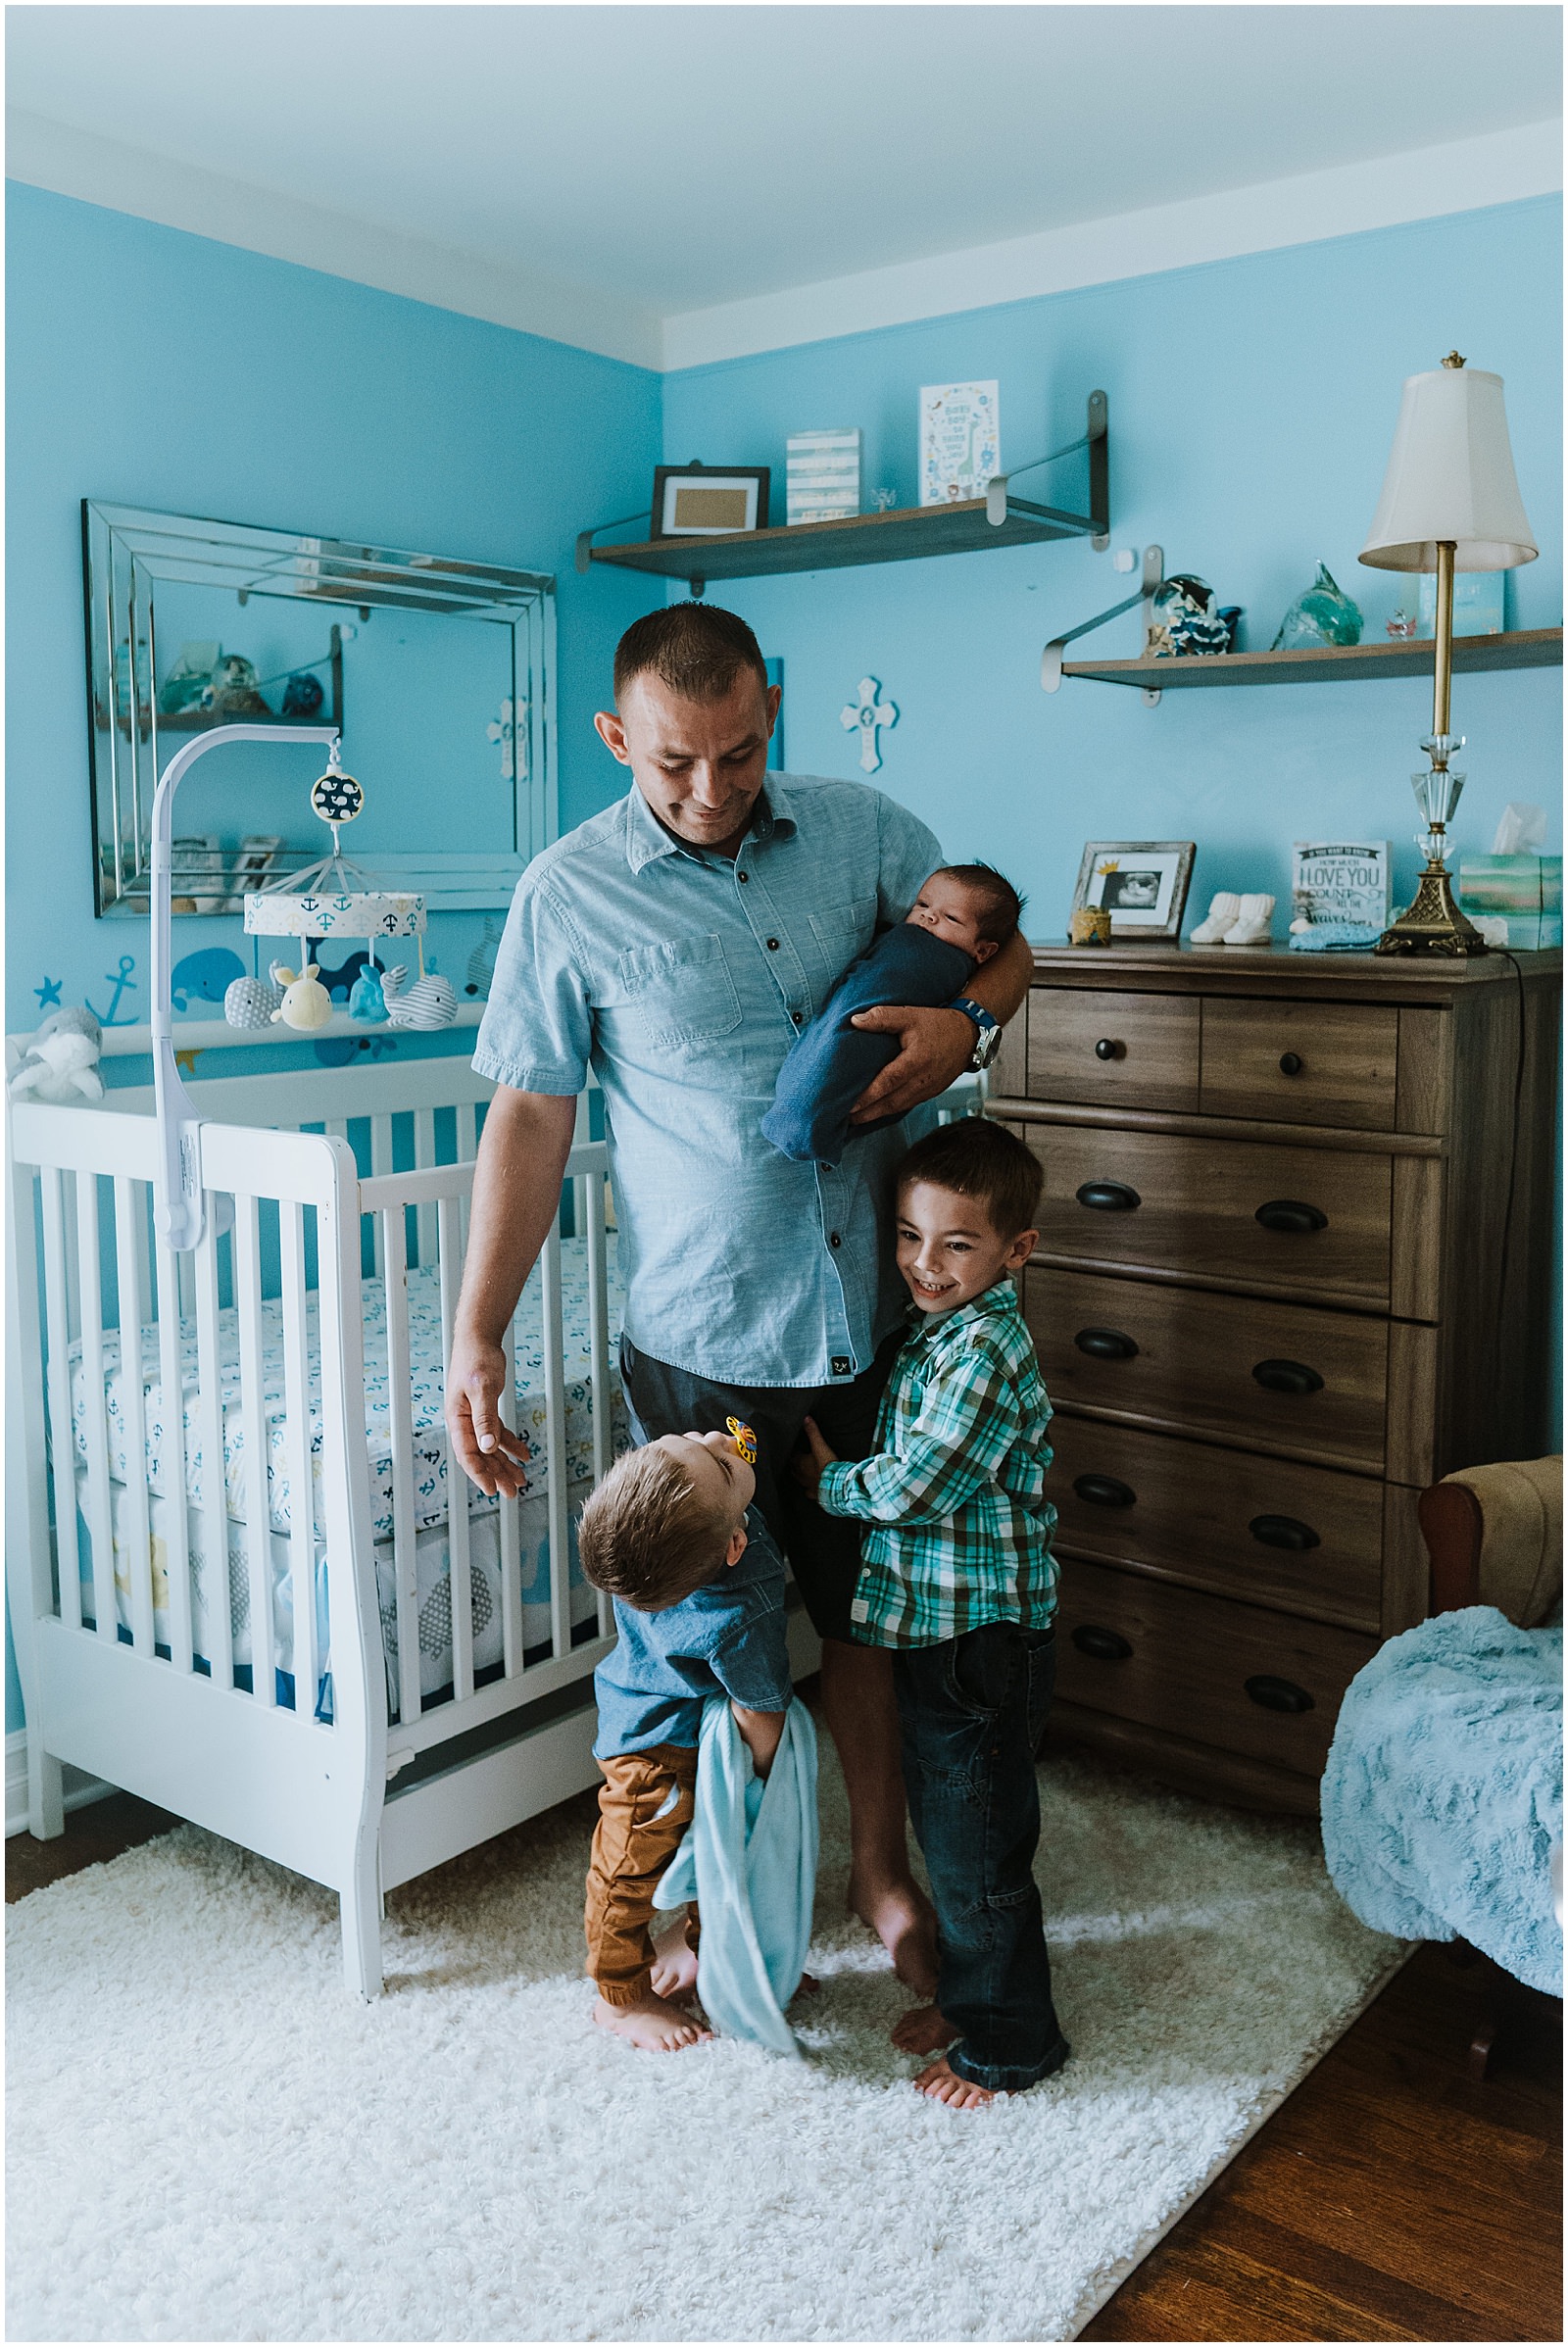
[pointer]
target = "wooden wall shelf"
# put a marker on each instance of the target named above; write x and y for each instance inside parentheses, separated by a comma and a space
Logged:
(1527, 648)
(899, 537)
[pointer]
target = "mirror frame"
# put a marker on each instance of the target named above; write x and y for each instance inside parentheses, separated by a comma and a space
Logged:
(126, 550)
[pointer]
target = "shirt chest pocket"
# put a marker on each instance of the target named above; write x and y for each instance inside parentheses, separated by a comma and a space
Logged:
(839, 932)
(681, 993)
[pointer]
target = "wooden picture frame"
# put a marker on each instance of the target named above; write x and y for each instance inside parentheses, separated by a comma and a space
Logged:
(1142, 884)
(708, 501)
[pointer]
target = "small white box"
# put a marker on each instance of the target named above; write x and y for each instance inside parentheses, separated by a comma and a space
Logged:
(823, 481)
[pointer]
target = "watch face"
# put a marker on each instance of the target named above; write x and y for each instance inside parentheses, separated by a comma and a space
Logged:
(987, 1044)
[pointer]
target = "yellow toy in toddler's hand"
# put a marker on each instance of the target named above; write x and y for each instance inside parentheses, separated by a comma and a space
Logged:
(744, 1439)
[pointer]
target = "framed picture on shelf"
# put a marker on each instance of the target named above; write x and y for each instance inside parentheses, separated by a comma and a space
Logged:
(699, 501)
(1142, 884)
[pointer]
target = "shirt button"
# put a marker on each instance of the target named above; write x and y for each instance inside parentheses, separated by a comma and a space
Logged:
(833, 1239)
(743, 877)
(772, 944)
(798, 1017)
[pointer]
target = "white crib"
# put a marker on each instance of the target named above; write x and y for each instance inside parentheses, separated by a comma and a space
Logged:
(287, 1698)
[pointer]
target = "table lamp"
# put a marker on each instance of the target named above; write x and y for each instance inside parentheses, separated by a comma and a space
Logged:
(1450, 502)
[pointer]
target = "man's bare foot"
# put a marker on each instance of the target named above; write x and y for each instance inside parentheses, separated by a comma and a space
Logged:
(923, 2029)
(675, 1969)
(653, 2022)
(900, 1915)
(944, 2086)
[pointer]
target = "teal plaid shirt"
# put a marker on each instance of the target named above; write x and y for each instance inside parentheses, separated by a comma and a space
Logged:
(959, 1527)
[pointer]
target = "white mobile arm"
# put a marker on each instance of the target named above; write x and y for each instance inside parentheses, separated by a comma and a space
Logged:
(179, 1208)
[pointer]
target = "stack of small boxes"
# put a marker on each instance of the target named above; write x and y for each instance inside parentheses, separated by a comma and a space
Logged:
(823, 476)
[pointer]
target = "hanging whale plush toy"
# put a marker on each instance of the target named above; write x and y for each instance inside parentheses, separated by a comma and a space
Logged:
(305, 1003)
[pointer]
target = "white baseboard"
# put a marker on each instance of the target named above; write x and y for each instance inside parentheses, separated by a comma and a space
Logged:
(81, 1788)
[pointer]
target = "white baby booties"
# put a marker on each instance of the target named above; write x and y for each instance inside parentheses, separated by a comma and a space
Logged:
(1222, 916)
(1252, 927)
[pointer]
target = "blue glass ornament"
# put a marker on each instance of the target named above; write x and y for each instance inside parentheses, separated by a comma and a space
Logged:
(1185, 619)
(1324, 615)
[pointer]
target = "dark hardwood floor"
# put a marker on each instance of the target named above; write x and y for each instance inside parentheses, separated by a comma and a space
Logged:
(1389, 2198)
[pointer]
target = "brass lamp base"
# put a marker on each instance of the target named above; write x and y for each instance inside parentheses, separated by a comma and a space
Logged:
(1432, 923)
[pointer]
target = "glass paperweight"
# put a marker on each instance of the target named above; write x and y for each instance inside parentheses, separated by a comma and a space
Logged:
(1323, 614)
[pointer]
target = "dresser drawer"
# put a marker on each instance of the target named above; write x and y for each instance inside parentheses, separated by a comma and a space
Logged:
(1168, 1204)
(1285, 1377)
(1271, 1531)
(1116, 1049)
(1204, 1668)
(1301, 1063)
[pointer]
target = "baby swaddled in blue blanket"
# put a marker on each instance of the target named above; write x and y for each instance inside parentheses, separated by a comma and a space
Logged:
(961, 917)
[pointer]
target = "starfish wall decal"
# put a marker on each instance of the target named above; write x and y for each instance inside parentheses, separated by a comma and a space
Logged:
(48, 992)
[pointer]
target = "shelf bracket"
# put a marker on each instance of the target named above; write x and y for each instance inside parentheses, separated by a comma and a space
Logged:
(585, 538)
(1050, 657)
(1095, 524)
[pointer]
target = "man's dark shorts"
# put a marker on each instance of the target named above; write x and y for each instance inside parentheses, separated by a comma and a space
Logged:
(823, 1551)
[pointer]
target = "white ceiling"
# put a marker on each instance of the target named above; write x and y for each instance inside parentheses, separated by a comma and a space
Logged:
(676, 158)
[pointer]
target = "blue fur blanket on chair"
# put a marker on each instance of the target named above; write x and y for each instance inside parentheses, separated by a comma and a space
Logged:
(1443, 1794)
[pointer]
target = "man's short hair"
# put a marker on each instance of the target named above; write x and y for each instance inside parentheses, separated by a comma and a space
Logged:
(695, 649)
(646, 1535)
(981, 1160)
(1001, 905)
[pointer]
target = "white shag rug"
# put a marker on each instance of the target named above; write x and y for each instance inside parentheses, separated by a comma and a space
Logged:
(210, 2140)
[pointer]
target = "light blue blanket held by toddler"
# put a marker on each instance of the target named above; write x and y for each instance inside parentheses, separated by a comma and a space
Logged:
(1442, 1793)
(749, 1862)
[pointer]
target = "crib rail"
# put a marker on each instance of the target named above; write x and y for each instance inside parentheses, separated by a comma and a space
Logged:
(258, 1335)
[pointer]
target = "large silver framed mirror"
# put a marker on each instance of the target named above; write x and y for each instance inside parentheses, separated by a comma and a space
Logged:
(440, 673)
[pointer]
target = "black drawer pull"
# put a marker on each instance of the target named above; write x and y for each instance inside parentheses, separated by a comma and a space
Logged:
(1287, 1376)
(1291, 1063)
(1284, 1531)
(1289, 1214)
(1278, 1694)
(1106, 1344)
(1105, 1646)
(1105, 1048)
(1104, 1491)
(1108, 1197)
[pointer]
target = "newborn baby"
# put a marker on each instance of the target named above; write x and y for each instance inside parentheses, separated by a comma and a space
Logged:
(963, 915)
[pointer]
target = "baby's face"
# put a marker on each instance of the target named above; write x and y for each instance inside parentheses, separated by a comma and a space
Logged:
(717, 1471)
(952, 911)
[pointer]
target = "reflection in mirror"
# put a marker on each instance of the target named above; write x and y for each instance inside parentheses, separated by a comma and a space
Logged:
(439, 673)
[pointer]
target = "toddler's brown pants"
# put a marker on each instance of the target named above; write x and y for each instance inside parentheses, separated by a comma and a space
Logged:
(645, 1806)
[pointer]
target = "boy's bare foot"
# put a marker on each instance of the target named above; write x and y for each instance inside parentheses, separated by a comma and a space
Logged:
(675, 1969)
(900, 1915)
(807, 1985)
(653, 2022)
(923, 2029)
(944, 2086)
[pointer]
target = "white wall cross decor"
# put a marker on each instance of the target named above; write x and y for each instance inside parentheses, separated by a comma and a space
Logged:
(870, 712)
(511, 730)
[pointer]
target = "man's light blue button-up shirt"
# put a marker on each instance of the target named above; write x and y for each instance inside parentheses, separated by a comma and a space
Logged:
(682, 979)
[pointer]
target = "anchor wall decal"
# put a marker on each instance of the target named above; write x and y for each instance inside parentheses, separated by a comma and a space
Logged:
(123, 982)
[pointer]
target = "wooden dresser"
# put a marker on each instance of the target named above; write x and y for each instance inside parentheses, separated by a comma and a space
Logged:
(1294, 1264)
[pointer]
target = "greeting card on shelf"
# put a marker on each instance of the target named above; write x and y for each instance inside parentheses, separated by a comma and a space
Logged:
(1340, 880)
(823, 480)
(960, 447)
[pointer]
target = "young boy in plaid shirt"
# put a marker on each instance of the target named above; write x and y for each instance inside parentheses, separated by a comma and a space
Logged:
(958, 1580)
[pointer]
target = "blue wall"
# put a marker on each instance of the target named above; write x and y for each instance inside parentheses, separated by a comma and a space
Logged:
(1252, 405)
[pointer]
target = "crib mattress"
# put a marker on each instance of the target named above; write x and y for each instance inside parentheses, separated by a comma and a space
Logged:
(426, 1388)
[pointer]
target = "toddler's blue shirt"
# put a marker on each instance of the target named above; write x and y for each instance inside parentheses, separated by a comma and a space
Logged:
(728, 1638)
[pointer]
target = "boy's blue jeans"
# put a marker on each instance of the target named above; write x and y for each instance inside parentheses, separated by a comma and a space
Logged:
(972, 1711)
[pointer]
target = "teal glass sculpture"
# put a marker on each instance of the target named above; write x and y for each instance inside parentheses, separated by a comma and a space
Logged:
(1324, 615)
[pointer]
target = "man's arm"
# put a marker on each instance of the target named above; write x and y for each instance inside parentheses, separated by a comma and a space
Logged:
(516, 1192)
(935, 1046)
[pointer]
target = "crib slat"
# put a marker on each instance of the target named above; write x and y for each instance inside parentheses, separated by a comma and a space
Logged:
(400, 1379)
(592, 1190)
(170, 1380)
(62, 1438)
(466, 1122)
(297, 1439)
(100, 1516)
(425, 1154)
(128, 1214)
(247, 1261)
(380, 1163)
(449, 1216)
(511, 1531)
(214, 1467)
(559, 1509)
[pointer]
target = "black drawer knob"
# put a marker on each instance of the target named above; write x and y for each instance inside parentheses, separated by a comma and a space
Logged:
(1105, 1048)
(1278, 1694)
(1104, 1491)
(1289, 1214)
(1284, 1531)
(1106, 1344)
(1288, 1377)
(1105, 1645)
(1108, 1198)
(1291, 1063)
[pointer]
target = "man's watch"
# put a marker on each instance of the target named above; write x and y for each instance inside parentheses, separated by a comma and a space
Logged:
(987, 1041)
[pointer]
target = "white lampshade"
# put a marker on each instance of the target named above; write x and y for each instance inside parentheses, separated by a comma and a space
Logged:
(1451, 475)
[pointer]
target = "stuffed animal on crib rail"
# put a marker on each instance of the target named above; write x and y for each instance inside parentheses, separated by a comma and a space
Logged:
(305, 1003)
(60, 1064)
